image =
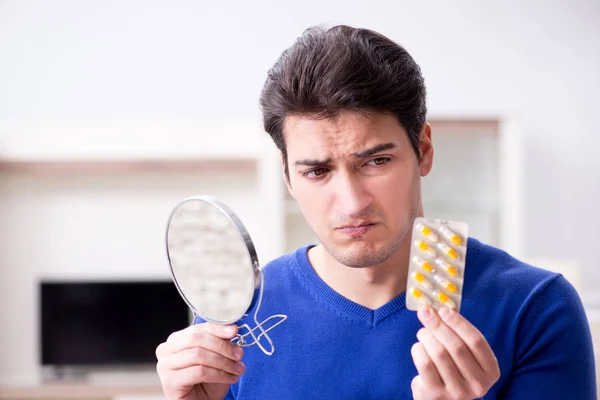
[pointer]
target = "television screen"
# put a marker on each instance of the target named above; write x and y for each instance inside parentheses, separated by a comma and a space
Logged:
(109, 323)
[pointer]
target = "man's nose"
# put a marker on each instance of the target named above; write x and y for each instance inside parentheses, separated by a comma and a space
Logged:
(352, 197)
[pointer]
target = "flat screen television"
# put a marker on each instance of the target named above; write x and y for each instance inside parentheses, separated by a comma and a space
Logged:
(107, 323)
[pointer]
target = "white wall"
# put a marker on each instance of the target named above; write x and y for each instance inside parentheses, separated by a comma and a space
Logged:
(68, 64)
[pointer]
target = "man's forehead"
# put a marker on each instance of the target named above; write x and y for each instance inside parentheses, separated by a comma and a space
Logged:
(342, 121)
(338, 137)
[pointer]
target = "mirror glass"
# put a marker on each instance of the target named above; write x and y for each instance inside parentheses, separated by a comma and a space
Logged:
(212, 260)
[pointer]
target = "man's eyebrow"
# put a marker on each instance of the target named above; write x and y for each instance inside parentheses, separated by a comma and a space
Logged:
(313, 162)
(374, 150)
(361, 154)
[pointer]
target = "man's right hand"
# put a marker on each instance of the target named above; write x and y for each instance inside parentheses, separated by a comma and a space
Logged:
(199, 362)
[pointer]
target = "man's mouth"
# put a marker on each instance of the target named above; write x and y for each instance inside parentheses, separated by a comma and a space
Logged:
(356, 229)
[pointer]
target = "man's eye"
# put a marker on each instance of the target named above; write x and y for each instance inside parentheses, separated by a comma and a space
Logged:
(314, 173)
(379, 161)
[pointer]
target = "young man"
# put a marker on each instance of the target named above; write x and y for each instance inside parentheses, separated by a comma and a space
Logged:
(346, 108)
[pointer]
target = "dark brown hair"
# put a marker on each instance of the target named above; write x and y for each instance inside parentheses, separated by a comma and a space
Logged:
(343, 68)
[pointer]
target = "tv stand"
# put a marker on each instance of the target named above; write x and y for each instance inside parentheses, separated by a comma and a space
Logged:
(81, 391)
(64, 373)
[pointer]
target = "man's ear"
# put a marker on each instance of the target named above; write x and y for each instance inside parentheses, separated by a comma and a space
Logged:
(286, 175)
(425, 150)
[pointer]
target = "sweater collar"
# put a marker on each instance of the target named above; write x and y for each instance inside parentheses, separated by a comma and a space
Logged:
(323, 291)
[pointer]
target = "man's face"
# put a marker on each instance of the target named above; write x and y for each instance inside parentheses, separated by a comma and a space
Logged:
(356, 179)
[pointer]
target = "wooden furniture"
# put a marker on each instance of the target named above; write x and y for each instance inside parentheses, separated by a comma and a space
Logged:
(80, 391)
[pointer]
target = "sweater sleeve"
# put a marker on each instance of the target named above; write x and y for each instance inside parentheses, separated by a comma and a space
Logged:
(554, 357)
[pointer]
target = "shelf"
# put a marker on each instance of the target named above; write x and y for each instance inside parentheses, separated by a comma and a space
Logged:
(132, 139)
(63, 166)
(76, 391)
(465, 125)
(458, 206)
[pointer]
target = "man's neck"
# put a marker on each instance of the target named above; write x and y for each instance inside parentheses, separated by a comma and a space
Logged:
(371, 287)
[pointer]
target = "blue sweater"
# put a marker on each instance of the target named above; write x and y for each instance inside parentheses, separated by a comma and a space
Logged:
(332, 348)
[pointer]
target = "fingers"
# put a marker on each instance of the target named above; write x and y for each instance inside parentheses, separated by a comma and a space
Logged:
(215, 338)
(420, 389)
(220, 331)
(443, 361)
(474, 340)
(425, 366)
(197, 355)
(462, 356)
(200, 356)
(441, 338)
(191, 376)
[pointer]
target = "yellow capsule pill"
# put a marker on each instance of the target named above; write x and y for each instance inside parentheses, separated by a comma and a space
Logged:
(444, 265)
(449, 251)
(424, 265)
(445, 299)
(445, 283)
(417, 276)
(419, 296)
(424, 247)
(450, 235)
(427, 232)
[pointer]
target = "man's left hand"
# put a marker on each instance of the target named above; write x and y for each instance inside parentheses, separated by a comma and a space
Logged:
(454, 360)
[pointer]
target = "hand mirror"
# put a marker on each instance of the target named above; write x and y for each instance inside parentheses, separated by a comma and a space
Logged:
(214, 266)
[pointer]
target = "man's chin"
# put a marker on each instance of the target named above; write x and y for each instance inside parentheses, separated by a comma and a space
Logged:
(358, 254)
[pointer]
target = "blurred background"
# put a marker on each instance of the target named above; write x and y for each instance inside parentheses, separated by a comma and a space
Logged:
(113, 111)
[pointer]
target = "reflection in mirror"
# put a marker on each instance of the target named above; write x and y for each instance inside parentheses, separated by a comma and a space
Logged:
(210, 261)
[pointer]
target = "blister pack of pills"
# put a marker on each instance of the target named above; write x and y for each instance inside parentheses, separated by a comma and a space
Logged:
(437, 264)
